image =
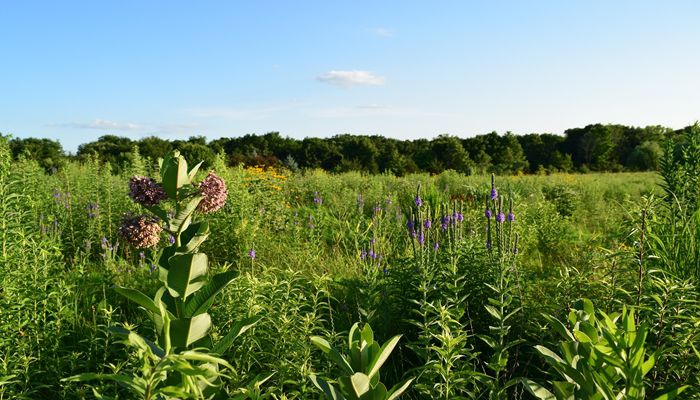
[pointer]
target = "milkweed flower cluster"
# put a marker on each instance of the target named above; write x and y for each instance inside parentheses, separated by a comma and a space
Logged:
(141, 231)
(146, 191)
(214, 193)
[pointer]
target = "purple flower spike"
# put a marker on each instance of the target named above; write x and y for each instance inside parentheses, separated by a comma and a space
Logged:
(214, 191)
(146, 191)
(251, 254)
(494, 193)
(500, 217)
(436, 246)
(488, 245)
(428, 224)
(488, 213)
(421, 238)
(419, 201)
(511, 216)
(363, 255)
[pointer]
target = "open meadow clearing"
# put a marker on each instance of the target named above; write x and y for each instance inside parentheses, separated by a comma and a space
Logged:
(475, 278)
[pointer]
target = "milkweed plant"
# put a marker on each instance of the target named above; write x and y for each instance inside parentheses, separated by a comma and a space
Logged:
(183, 361)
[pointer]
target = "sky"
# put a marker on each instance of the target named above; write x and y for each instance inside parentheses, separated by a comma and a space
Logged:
(77, 70)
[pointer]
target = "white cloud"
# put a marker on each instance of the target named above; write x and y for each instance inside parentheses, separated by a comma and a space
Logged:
(101, 124)
(351, 78)
(383, 32)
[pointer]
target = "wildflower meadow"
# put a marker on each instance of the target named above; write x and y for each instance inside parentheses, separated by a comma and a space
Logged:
(168, 280)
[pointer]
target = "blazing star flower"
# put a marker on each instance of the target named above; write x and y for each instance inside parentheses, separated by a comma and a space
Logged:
(459, 217)
(363, 255)
(488, 214)
(214, 193)
(421, 238)
(488, 245)
(444, 222)
(251, 254)
(418, 201)
(146, 191)
(317, 199)
(436, 246)
(500, 217)
(410, 225)
(494, 193)
(141, 231)
(511, 216)
(428, 224)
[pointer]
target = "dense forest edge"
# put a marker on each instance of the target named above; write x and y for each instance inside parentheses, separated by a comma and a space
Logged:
(596, 147)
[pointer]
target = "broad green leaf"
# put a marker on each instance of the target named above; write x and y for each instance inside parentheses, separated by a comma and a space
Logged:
(187, 274)
(138, 298)
(384, 353)
(669, 393)
(398, 389)
(181, 221)
(204, 297)
(357, 383)
(236, 330)
(192, 237)
(332, 354)
(185, 331)
(329, 390)
(193, 171)
(174, 173)
(537, 390)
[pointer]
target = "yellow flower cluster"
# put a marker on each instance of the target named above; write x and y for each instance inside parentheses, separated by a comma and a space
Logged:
(267, 178)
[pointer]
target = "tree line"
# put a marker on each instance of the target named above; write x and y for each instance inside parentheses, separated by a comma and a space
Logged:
(596, 147)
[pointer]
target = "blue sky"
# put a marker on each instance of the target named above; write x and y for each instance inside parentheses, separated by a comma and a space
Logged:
(77, 70)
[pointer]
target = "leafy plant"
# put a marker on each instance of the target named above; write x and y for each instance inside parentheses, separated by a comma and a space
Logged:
(182, 362)
(601, 357)
(360, 368)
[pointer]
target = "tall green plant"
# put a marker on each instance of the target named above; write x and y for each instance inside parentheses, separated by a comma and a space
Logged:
(360, 368)
(601, 358)
(181, 363)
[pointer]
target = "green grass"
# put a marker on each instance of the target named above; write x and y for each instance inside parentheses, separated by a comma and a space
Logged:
(578, 237)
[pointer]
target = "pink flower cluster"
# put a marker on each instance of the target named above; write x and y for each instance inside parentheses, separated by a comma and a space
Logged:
(146, 191)
(141, 231)
(213, 189)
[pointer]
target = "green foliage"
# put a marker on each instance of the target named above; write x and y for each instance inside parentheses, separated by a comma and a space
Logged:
(359, 368)
(601, 357)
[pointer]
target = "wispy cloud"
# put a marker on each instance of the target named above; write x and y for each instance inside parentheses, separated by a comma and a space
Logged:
(382, 32)
(351, 78)
(100, 124)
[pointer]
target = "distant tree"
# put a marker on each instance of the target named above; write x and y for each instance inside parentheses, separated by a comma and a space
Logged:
(109, 148)
(197, 151)
(645, 157)
(450, 154)
(47, 153)
(153, 147)
(319, 153)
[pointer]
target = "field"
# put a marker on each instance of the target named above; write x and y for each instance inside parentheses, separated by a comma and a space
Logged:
(315, 253)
